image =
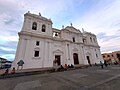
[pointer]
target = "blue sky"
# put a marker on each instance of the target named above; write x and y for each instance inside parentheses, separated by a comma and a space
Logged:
(101, 17)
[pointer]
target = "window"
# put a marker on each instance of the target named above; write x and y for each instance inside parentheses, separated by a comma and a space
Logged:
(118, 55)
(34, 26)
(73, 39)
(43, 28)
(84, 40)
(36, 54)
(103, 56)
(108, 55)
(96, 55)
(94, 39)
(91, 39)
(37, 43)
(56, 34)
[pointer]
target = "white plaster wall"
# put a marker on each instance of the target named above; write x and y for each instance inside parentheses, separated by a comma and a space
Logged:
(64, 53)
(50, 47)
(27, 25)
(47, 52)
(48, 61)
(20, 53)
(82, 56)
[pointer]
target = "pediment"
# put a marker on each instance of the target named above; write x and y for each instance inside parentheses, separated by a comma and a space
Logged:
(72, 29)
(37, 48)
(88, 53)
(75, 49)
(58, 51)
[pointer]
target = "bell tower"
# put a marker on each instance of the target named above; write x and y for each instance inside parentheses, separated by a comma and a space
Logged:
(37, 24)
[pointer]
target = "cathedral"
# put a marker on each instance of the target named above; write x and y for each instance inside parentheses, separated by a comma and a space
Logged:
(40, 44)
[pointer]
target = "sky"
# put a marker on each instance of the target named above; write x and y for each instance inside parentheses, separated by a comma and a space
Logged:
(101, 17)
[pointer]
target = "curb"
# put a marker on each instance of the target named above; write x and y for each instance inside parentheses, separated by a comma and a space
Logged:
(18, 74)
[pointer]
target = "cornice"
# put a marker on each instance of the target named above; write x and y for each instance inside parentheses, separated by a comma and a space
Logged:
(31, 34)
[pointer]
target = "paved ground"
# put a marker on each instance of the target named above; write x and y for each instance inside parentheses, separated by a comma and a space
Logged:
(92, 78)
(24, 70)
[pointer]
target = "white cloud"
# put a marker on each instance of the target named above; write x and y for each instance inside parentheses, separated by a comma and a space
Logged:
(8, 56)
(9, 38)
(50, 7)
(105, 17)
(6, 49)
(102, 16)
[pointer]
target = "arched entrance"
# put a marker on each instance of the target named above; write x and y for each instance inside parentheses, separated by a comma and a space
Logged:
(57, 58)
(88, 59)
(75, 57)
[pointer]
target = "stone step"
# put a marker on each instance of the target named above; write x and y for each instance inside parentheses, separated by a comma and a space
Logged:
(26, 72)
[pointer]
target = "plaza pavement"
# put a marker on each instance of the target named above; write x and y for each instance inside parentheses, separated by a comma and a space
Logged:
(91, 78)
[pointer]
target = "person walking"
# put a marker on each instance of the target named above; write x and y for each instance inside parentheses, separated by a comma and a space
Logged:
(20, 64)
(105, 63)
(13, 71)
(6, 72)
(101, 64)
(55, 64)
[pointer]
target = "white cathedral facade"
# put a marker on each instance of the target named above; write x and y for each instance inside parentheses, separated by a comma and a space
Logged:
(40, 44)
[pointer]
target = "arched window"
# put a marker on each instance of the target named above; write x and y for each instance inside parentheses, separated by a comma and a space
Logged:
(43, 28)
(73, 39)
(94, 39)
(56, 34)
(84, 40)
(75, 57)
(96, 56)
(90, 39)
(34, 26)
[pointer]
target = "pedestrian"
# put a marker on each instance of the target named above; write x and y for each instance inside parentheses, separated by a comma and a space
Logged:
(89, 63)
(61, 67)
(66, 67)
(13, 71)
(119, 62)
(96, 64)
(105, 63)
(55, 64)
(20, 64)
(72, 66)
(6, 72)
(101, 64)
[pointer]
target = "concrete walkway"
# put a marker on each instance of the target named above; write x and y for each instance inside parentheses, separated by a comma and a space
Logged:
(25, 70)
(92, 78)
(35, 70)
